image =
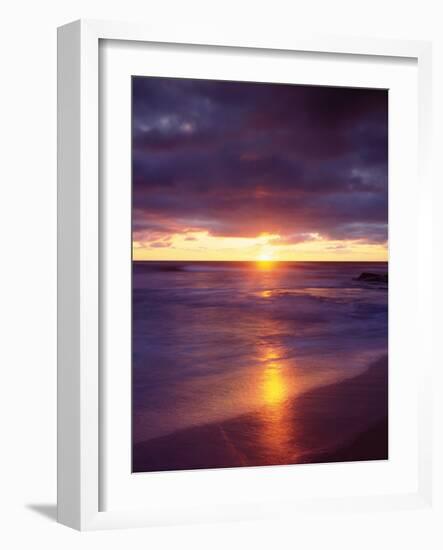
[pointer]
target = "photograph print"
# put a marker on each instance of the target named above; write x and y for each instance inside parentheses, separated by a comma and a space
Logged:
(259, 274)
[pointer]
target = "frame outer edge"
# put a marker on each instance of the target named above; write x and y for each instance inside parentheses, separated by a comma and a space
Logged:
(425, 154)
(68, 275)
(77, 270)
(89, 276)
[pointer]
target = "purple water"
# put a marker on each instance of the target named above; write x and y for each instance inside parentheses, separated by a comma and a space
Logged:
(215, 340)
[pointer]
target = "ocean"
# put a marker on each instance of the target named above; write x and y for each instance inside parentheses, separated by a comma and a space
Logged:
(215, 342)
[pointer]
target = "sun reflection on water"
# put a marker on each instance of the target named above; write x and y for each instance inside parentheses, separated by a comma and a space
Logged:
(274, 387)
(265, 264)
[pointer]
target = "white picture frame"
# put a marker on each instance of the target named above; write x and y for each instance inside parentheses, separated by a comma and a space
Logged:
(79, 260)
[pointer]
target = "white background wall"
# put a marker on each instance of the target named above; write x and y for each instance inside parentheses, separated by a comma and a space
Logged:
(28, 272)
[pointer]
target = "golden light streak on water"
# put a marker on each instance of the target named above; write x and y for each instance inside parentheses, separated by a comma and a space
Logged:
(274, 387)
(277, 427)
(265, 265)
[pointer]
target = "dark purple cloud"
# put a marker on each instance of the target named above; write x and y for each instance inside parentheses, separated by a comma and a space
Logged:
(238, 159)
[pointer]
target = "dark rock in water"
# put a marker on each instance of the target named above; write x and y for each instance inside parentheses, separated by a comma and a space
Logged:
(373, 277)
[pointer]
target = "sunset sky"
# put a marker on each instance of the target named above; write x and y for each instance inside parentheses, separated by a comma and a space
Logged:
(248, 171)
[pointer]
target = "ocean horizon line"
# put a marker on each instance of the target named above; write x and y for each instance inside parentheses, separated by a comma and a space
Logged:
(269, 261)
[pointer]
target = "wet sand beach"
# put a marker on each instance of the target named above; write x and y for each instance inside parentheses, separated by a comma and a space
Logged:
(346, 421)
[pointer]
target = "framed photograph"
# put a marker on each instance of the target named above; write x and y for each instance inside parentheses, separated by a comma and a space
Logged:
(244, 268)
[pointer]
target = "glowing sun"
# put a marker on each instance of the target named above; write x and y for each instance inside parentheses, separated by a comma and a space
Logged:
(265, 257)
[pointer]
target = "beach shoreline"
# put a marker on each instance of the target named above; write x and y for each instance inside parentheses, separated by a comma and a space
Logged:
(341, 422)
